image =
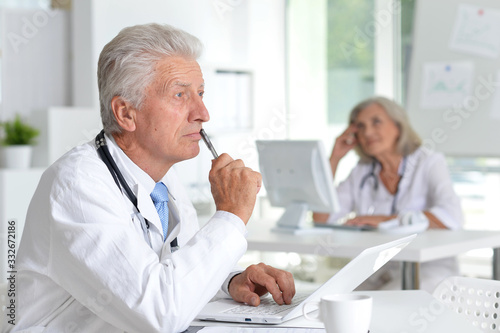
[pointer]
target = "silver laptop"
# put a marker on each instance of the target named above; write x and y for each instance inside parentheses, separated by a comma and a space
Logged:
(346, 280)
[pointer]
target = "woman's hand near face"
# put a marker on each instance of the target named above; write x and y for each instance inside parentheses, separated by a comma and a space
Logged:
(343, 144)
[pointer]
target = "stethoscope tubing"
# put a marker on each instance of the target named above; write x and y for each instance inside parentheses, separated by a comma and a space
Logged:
(104, 154)
(375, 186)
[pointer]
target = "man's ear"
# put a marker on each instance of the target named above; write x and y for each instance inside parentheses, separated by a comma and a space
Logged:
(124, 113)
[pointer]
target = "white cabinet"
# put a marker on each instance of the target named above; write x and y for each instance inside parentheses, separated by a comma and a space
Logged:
(16, 189)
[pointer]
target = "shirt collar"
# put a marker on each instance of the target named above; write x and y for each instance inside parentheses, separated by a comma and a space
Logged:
(140, 177)
(401, 167)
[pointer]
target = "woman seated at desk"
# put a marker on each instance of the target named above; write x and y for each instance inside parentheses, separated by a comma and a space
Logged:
(395, 175)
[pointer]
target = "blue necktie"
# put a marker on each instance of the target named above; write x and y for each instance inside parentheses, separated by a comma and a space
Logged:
(160, 199)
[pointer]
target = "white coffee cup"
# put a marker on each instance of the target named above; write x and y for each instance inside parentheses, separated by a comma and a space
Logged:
(342, 313)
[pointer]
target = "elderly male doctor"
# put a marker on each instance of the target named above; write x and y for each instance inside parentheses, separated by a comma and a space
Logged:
(88, 261)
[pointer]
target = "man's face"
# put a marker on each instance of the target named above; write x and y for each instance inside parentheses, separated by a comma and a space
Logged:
(171, 116)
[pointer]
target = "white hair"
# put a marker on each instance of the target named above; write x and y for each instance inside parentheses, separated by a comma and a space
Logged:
(126, 64)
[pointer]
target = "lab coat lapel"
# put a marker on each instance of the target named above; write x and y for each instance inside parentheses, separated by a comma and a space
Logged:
(174, 225)
(147, 207)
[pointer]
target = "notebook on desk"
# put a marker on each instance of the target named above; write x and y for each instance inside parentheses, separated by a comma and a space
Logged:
(346, 280)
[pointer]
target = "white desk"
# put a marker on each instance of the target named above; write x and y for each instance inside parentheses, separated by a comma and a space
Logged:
(428, 246)
(395, 311)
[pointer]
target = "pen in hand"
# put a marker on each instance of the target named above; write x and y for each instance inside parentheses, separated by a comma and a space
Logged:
(209, 144)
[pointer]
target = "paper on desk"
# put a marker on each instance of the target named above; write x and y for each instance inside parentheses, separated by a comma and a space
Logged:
(221, 329)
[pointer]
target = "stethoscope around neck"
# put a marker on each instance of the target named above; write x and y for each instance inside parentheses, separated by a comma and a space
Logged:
(372, 174)
(103, 151)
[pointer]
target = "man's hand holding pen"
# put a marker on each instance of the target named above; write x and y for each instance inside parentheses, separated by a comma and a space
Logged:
(234, 186)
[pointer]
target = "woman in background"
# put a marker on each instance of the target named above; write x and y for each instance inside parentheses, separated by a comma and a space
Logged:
(395, 176)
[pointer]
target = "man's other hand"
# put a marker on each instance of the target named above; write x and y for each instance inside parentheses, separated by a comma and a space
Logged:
(257, 280)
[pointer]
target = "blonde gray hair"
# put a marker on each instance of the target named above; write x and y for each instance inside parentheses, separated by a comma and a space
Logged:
(127, 64)
(408, 140)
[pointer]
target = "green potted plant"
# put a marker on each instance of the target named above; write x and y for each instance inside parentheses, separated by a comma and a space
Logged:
(17, 141)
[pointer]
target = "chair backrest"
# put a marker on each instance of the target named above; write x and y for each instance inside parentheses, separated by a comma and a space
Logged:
(476, 299)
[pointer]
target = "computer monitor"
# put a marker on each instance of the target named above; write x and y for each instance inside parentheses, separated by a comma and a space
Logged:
(296, 175)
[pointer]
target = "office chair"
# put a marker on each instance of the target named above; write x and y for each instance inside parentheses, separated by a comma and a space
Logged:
(476, 299)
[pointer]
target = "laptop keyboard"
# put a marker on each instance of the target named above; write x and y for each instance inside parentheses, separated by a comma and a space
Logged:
(267, 306)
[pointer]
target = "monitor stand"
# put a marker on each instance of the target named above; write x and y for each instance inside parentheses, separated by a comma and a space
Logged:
(293, 221)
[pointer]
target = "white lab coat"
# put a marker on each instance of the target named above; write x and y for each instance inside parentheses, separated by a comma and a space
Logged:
(84, 265)
(425, 186)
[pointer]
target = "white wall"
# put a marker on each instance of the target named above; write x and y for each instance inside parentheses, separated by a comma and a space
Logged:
(226, 28)
(35, 60)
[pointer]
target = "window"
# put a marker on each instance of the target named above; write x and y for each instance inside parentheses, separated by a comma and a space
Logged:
(354, 48)
(340, 52)
(350, 56)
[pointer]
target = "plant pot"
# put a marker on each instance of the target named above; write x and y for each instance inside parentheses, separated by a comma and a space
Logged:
(16, 156)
